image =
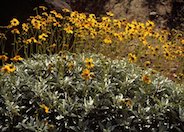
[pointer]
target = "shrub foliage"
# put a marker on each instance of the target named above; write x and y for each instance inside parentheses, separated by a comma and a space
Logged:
(88, 92)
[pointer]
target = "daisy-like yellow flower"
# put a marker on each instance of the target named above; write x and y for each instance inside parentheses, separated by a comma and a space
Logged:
(56, 24)
(53, 12)
(86, 74)
(46, 109)
(117, 23)
(107, 40)
(147, 63)
(150, 24)
(145, 42)
(92, 16)
(165, 46)
(167, 55)
(36, 23)
(132, 58)
(15, 31)
(30, 40)
(89, 63)
(3, 57)
(14, 22)
(153, 72)
(16, 58)
(58, 15)
(43, 36)
(146, 79)
(25, 27)
(69, 29)
(8, 68)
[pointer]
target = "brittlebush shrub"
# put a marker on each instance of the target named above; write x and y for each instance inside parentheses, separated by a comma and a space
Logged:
(87, 92)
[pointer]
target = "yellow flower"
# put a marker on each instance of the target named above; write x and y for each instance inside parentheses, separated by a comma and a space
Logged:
(165, 46)
(92, 16)
(16, 58)
(89, 63)
(147, 63)
(86, 74)
(46, 109)
(69, 29)
(3, 57)
(107, 40)
(33, 40)
(43, 36)
(8, 68)
(106, 19)
(15, 31)
(132, 58)
(146, 79)
(144, 41)
(182, 41)
(45, 14)
(58, 15)
(30, 40)
(53, 12)
(51, 19)
(153, 71)
(14, 22)
(25, 27)
(56, 24)
(36, 23)
(117, 23)
(150, 24)
(167, 55)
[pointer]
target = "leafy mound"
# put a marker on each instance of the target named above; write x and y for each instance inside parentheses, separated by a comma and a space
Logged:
(88, 92)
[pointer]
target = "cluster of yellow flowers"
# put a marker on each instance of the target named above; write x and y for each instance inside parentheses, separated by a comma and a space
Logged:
(142, 43)
(86, 73)
(8, 68)
(98, 30)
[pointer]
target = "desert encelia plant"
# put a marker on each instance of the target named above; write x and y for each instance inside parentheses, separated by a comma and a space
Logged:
(87, 92)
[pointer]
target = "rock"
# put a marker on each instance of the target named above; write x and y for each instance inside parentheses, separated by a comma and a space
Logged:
(58, 5)
(165, 13)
